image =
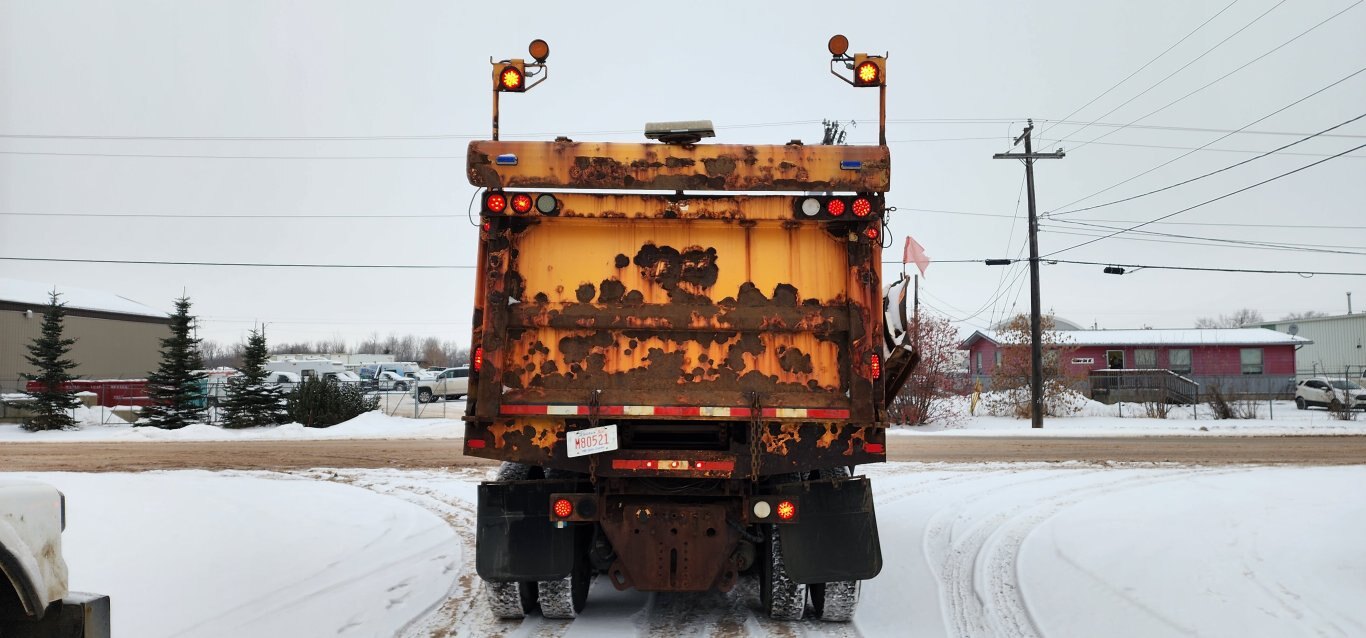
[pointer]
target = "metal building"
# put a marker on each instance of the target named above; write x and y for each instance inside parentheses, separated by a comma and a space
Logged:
(1339, 343)
(116, 338)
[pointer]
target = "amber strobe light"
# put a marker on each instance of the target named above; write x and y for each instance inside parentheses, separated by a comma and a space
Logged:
(786, 510)
(563, 508)
(867, 74)
(521, 203)
(478, 362)
(511, 78)
(495, 202)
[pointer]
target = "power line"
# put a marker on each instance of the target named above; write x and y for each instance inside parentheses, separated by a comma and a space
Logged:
(1259, 271)
(1226, 75)
(235, 215)
(1168, 147)
(1130, 221)
(1186, 65)
(1217, 241)
(1207, 144)
(1210, 201)
(1214, 172)
(239, 264)
(1145, 65)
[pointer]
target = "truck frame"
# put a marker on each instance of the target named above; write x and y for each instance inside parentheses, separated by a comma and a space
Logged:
(680, 356)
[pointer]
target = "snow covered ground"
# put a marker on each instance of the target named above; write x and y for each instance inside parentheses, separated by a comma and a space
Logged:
(969, 550)
(1276, 419)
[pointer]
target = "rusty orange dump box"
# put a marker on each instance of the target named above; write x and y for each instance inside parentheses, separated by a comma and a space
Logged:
(670, 309)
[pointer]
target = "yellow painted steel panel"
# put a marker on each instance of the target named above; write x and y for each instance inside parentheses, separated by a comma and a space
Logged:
(649, 166)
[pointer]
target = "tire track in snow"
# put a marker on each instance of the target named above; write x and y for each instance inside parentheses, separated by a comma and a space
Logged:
(978, 569)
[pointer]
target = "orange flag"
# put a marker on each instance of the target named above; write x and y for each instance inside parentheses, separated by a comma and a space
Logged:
(915, 254)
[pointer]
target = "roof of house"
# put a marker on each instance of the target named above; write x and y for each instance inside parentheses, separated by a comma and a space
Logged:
(36, 293)
(1162, 337)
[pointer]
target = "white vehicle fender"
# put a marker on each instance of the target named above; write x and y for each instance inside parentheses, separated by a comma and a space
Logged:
(31, 555)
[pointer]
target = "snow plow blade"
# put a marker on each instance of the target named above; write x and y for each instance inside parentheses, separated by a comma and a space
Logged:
(514, 538)
(898, 338)
(837, 538)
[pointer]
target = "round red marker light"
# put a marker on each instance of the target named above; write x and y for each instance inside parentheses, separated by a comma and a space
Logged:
(871, 233)
(563, 508)
(521, 203)
(862, 207)
(495, 202)
(835, 207)
(787, 510)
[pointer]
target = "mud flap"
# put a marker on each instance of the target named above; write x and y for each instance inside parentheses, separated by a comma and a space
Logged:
(515, 539)
(837, 538)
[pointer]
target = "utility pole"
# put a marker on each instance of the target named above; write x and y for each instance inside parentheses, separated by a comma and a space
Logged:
(1035, 321)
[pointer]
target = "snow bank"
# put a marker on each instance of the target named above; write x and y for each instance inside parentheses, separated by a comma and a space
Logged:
(1278, 418)
(200, 554)
(103, 424)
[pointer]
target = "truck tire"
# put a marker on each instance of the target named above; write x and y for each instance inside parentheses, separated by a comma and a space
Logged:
(564, 599)
(424, 395)
(834, 602)
(510, 601)
(401, 387)
(783, 598)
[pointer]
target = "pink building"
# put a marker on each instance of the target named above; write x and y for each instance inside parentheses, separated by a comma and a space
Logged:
(1261, 359)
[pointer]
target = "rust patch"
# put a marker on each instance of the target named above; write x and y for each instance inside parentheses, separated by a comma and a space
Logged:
(622, 261)
(585, 293)
(832, 432)
(794, 360)
(776, 443)
(686, 275)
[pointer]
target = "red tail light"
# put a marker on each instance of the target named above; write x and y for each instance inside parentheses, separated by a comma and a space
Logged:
(495, 202)
(871, 232)
(787, 510)
(835, 207)
(874, 448)
(478, 444)
(521, 203)
(875, 362)
(478, 363)
(487, 227)
(862, 207)
(563, 508)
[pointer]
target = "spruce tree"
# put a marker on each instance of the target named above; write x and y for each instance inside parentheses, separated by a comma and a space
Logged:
(48, 353)
(250, 401)
(175, 388)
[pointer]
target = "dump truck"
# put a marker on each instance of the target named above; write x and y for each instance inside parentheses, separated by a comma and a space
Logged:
(681, 353)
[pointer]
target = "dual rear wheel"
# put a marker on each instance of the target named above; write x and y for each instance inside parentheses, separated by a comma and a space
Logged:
(785, 599)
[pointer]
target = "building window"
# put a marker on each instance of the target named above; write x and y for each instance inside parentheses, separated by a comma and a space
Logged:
(1252, 360)
(1179, 361)
(1114, 359)
(998, 358)
(1145, 359)
(979, 364)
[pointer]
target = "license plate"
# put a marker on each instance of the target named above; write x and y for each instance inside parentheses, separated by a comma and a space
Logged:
(592, 440)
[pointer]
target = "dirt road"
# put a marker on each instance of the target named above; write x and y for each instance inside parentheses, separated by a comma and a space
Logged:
(283, 455)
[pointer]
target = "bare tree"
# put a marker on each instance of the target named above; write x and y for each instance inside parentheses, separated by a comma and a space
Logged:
(1308, 314)
(926, 397)
(1238, 319)
(1010, 379)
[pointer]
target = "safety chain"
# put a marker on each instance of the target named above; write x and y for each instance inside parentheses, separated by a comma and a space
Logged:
(754, 436)
(594, 403)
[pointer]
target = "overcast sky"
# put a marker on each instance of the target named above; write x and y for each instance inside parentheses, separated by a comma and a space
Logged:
(963, 77)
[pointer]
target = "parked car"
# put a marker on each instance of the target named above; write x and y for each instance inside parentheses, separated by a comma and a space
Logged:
(393, 381)
(451, 383)
(1329, 393)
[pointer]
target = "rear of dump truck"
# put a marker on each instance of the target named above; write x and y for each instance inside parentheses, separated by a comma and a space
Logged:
(678, 377)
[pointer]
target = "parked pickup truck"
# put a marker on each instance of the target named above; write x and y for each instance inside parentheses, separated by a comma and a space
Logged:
(34, 600)
(451, 383)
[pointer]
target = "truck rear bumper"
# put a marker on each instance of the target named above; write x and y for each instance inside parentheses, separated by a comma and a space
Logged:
(79, 615)
(672, 542)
